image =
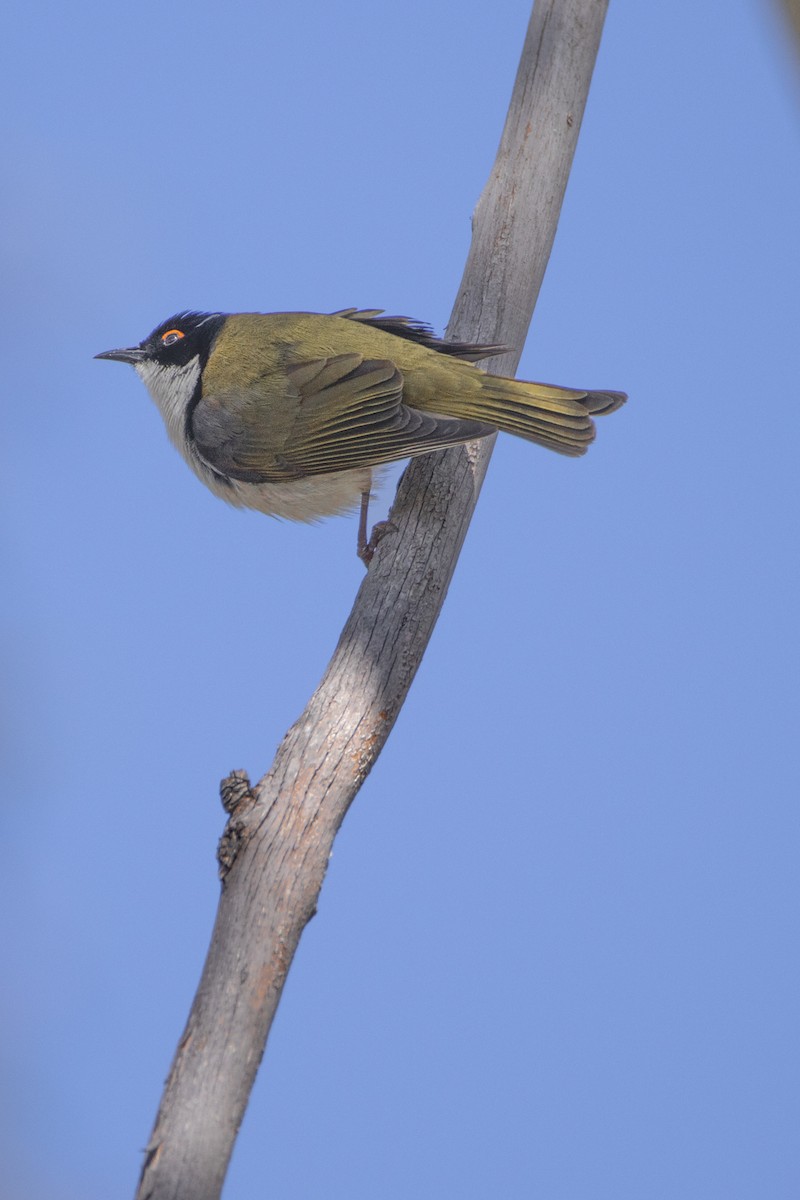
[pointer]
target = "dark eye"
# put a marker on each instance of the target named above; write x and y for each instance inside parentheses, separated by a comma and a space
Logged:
(171, 336)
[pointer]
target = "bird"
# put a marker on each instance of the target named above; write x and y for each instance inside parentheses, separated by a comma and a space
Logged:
(293, 414)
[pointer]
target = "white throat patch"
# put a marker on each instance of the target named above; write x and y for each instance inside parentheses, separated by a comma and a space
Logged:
(172, 388)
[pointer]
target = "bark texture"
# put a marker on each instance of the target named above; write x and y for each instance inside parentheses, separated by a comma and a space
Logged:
(275, 850)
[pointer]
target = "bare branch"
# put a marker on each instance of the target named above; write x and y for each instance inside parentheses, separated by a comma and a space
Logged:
(276, 847)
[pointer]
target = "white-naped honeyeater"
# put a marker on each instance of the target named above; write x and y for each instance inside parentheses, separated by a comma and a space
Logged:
(293, 413)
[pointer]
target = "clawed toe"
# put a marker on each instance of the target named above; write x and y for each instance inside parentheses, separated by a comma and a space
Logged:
(379, 531)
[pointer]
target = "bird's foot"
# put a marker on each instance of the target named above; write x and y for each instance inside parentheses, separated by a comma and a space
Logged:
(366, 549)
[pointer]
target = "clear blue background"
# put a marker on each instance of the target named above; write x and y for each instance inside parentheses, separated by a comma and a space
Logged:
(555, 954)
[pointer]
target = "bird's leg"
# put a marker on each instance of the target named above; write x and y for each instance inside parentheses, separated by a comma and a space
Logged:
(365, 547)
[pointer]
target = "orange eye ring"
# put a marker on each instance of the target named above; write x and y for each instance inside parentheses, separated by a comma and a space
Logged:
(171, 336)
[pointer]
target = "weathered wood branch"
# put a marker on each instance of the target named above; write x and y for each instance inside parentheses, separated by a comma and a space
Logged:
(275, 851)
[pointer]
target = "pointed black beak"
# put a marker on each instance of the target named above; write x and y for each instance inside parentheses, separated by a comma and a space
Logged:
(133, 355)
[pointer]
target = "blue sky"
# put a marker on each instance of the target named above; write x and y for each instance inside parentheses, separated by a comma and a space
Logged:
(555, 953)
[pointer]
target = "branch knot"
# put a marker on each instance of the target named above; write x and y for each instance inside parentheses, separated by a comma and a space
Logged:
(238, 799)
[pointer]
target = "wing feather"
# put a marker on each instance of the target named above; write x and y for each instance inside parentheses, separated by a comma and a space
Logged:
(332, 414)
(420, 332)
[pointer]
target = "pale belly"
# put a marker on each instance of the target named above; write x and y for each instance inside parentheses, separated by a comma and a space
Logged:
(308, 499)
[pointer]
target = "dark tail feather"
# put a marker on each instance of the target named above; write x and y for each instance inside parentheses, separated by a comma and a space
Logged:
(600, 404)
